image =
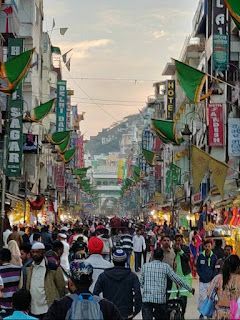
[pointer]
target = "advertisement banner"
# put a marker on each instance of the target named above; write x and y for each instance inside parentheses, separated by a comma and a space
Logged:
(170, 99)
(61, 106)
(220, 52)
(15, 115)
(220, 37)
(59, 177)
(79, 153)
(234, 137)
(216, 125)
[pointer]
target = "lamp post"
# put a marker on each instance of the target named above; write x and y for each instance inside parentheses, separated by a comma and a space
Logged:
(187, 134)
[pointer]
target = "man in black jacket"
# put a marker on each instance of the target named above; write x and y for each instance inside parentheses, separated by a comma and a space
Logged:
(79, 282)
(120, 286)
(182, 261)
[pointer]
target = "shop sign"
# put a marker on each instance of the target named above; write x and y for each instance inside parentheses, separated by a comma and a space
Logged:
(215, 120)
(220, 37)
(196, 198)
(15, 115)
(61, 106)
(170, 99)
(234, 137)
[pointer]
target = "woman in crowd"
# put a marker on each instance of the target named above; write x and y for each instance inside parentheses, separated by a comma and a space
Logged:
(227, 288)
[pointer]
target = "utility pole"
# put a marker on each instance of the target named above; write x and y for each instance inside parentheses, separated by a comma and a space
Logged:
(3, 189)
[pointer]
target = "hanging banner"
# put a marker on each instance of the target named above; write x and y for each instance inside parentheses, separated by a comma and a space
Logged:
(170, 99)
(15, 115)
(79, 163)
(59, 177)
(216, 129)
(61, 106)
(234, 137)
(220, 38)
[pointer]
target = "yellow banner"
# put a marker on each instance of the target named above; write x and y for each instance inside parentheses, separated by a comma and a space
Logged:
(120, 170)
(200, 165)
(219, 174)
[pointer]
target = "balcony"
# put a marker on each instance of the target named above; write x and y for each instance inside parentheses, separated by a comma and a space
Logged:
(9, 20)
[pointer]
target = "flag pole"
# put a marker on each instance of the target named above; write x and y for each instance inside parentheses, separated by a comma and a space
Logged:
(222, 81)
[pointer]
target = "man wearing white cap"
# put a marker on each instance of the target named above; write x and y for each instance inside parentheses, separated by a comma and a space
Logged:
(64, 262)
(44, 280)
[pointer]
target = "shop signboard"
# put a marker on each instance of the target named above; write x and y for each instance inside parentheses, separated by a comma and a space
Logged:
(61, 106)
(170, 99)
(220, 37)
(215, 121)
(15, 115)
(234, 137)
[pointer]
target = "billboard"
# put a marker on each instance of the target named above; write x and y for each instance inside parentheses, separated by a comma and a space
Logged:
(216, 125)
(61, 106)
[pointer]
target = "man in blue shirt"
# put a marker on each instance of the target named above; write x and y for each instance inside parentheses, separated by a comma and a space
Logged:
(21, 303)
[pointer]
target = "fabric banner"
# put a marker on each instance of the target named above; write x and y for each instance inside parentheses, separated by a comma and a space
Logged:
(59, 177)
(219, 173)
(61, 106)
(216, 130)
(234, 137)
(15, 115)
(173, 177)
(200, 164)
(220, 52)
(79, 159)
(120, 171)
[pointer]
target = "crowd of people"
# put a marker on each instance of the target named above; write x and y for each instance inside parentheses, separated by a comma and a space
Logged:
(105, 270)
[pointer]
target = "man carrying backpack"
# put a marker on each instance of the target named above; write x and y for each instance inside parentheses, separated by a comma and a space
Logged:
(81, 304)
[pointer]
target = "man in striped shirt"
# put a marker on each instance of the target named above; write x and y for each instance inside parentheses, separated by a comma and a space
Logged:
(126, 242)
(154, 283)
(11, 276)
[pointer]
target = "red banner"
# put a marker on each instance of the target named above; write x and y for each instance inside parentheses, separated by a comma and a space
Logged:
(59, 177)
(80, 152)
(215, 121)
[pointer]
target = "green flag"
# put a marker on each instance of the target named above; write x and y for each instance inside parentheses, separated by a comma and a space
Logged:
(42, 110)
(234, 10)
(14, 70)
(149, 156)
(191, 80)
(68, 155)
(59, 137)
(173, 177)
(166, 131)
(63, 146)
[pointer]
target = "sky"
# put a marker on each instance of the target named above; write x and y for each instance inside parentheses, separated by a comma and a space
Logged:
(128, 41)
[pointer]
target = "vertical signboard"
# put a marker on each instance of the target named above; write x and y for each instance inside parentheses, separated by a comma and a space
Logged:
(15, 115)
(216, 126)
(170, 99)
(61, 106)
(234, 137)
(220, 36)
(79, 152)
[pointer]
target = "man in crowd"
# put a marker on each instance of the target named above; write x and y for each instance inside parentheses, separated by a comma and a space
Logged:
(183, 270)
(10, 275)
(55, 253)
(25, 251)
(168, 252)
(64, 262)
(21, 304)
(154, 283)
(46, 238)
(16, 236)
(228, 250)
(139, 246)
(120, 286)
(81, 277)
(44, 280)
(126, 242)
(206, 270)
(95, 247)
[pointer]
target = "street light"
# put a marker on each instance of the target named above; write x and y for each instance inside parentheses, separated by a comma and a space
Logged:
(187, 134)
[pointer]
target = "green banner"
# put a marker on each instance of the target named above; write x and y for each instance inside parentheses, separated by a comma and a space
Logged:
(61, 106)
(15, 115)
(173, 177)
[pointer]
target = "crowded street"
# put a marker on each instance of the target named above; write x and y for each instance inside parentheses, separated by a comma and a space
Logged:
(120, 159)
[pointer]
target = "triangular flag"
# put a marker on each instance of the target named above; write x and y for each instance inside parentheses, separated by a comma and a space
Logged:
(200, 164)
(191, 80)
(68, 155)
(63, 146)
(53, 23)
(219, 173)
(68, 64)
(149, 157)
(59, 137)
(64, 56)
(42, 110)
(14, 70)
(63, 31)
(234, 10)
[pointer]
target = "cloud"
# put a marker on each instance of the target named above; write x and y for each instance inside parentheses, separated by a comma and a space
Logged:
(159, 34)
(83, 49)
